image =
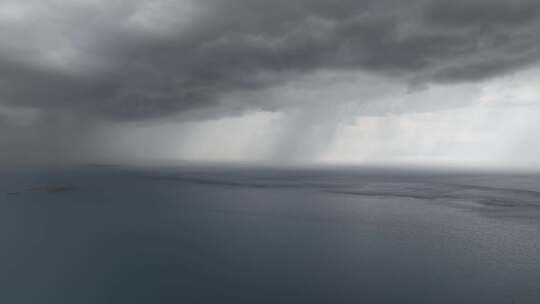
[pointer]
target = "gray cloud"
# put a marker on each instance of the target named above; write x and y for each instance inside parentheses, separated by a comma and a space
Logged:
(467, 13)
(142, 60)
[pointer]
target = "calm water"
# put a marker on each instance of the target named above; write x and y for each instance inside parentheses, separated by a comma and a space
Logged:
(224, 235)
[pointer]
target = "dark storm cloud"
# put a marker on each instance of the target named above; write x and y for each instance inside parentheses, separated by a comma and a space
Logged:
(462, 13)
(108, 66)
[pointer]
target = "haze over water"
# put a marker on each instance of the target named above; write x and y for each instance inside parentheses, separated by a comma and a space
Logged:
(261, 235)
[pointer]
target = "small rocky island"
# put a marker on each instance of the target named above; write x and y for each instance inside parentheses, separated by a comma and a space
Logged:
(45, 189)
(52, 188)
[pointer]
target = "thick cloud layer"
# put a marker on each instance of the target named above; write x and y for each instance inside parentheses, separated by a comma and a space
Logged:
(140, 60)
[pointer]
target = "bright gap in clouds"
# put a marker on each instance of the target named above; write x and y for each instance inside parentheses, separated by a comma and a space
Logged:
(494, 126)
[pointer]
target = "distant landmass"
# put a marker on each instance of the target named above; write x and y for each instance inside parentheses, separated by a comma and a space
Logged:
(52, 188)
(46, 189)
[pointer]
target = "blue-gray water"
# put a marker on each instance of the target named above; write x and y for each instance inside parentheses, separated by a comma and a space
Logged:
(224, 235)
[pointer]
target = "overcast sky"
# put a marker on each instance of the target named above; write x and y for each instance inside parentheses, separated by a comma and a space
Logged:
(360, 81)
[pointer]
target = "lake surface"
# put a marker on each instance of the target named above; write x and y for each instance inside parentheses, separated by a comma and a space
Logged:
(262, 235)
